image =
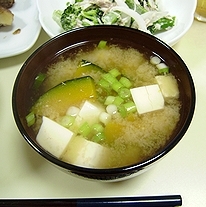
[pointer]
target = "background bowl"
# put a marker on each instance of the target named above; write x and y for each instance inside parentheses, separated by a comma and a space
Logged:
(145, 43)
(183, 11)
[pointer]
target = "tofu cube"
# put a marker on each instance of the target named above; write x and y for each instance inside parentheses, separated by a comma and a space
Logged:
(53, 137)
(147, 98)
(89, 113)
(168, 85)
(86, 153)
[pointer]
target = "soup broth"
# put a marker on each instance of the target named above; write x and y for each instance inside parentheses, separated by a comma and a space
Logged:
(131, 138)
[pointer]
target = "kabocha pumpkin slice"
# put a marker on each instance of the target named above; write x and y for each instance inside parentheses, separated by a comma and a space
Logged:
(113, 131)
(56, 101)
(86, 68)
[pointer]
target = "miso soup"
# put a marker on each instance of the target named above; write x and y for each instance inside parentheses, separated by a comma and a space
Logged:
(111, 122)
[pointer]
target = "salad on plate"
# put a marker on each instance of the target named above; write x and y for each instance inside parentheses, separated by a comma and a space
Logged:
(145, 15)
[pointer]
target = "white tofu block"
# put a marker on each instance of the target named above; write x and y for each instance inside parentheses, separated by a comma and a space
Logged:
(85, 153)
(168, 86)
(147, 98)
(89, 113)
(53, 137)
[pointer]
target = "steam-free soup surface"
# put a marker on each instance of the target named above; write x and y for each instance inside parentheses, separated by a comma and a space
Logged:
(130, 139)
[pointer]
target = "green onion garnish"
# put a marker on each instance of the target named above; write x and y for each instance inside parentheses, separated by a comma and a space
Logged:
(109, 100)
(130, 106)
(85, 129)
(162, 68)
(39, 80)
(122, 110)
(116, 86)
(163, 71)
(97, 128)
(67, 121)
(118, 101)
(114, 72)
(109, 78)
(125, 82)
(102, 44)
(105, 85)
(98, 137)
(124, 93)
(30, 119)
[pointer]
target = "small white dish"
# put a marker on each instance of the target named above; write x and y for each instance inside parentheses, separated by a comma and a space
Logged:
(183, 10)
(27, 22)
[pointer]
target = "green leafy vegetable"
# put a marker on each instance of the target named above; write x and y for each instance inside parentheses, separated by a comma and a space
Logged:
(165, 23)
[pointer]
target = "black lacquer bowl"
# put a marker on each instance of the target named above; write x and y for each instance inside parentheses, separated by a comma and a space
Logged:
(62, 43)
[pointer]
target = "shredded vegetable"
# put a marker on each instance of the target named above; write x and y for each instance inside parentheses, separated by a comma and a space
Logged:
(144, 15)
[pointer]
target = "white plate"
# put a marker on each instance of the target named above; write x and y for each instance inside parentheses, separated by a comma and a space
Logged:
(183, 10)
(26, 19)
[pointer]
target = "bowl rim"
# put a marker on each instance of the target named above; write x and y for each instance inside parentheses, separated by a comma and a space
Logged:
(93, 171)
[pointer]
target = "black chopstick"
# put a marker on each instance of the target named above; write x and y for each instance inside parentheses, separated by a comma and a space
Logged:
(143, 201)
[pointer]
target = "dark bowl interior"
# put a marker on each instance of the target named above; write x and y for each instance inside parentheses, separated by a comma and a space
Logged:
(65, 42)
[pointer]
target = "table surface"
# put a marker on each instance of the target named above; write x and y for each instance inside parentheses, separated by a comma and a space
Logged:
(25, 174)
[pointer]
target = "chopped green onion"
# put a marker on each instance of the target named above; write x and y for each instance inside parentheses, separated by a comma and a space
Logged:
(99, 137)
(125, 82)
(104, 117)
(155, 60)
(109, 78)
(85, 129)
(118, 101)
(109, 100)
(122, 110)
(111, 109)
(67, 121)
(163, 71)
(162, 68)
(72, 111)
(97, 128)
(30, 119)
(116, 86)
(114, 72)
(161, 65)
(102, 44)
(130, 107)
(39, 80)
(124, 93)
(105, 85)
